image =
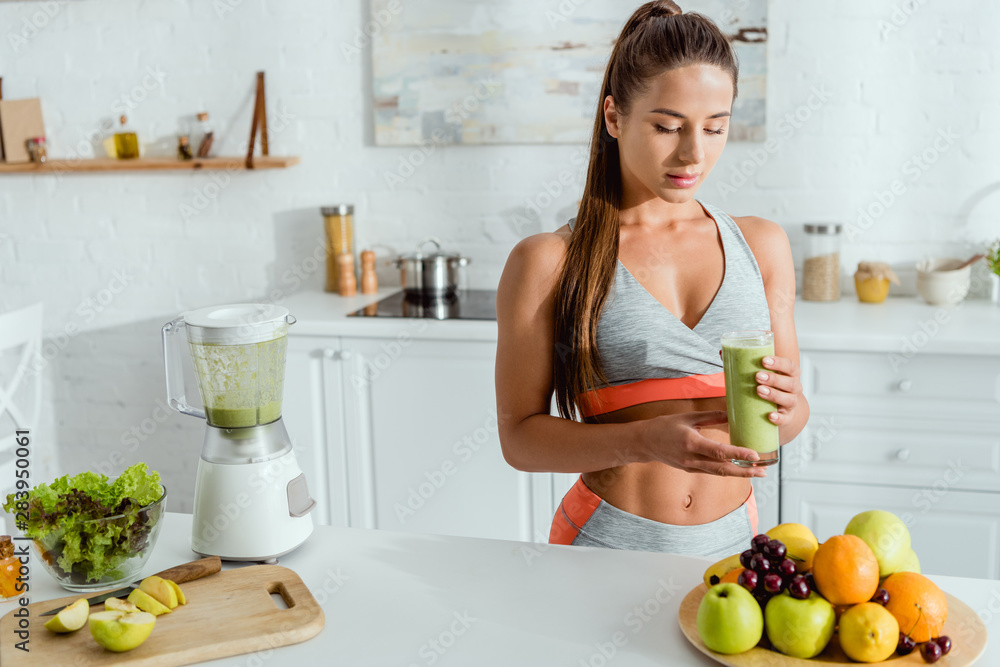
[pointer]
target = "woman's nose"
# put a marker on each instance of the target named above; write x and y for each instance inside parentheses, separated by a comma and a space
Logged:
(691, 149)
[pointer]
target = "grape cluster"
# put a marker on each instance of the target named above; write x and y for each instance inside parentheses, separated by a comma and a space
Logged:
(768, 572)
(930, 651)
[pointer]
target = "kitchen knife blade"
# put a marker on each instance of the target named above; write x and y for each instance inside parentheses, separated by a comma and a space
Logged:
(178, 574)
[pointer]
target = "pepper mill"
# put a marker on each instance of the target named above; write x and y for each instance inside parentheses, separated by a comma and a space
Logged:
(347, 283)
(369, 281)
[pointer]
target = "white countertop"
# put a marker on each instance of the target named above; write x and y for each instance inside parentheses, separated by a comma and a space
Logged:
(390, 598)
(972, 327)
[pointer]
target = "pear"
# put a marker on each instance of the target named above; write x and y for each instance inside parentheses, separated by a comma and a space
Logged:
(119, 631)
(117, 604)
(148, 603)
(160, 590)
(70, 619)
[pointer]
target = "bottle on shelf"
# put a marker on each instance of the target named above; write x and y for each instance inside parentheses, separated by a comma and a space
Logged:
(126, 141)
(206, 133)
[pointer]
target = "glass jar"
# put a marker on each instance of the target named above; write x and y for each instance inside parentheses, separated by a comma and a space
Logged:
(339, 223)
(36, 150)
(821, 268)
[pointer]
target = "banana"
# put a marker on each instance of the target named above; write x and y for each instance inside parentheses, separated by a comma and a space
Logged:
(716, 572)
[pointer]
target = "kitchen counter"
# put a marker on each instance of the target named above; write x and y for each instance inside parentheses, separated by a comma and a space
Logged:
(404, 599)
(905, 325)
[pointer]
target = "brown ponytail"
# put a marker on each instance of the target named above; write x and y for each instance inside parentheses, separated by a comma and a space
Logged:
(657, 38)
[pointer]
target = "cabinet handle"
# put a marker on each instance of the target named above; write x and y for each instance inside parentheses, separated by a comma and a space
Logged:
(329, 353)
(904, 386)
(903, 455)
(346, 354)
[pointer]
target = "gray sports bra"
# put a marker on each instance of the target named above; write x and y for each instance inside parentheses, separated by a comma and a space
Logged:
(638, 339)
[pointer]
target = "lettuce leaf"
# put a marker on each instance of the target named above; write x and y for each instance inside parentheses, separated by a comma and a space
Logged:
(69, 520)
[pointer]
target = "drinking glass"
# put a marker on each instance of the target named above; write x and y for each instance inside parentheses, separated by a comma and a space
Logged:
(742, 357)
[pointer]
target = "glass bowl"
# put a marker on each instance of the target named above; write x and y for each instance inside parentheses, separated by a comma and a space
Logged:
(124, 543)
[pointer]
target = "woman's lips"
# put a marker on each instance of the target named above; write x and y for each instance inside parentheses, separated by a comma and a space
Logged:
(683, 180)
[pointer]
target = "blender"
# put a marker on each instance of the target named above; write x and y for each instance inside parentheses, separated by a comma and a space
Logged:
(251, 501)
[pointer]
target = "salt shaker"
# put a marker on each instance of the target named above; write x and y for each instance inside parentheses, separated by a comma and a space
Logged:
(369, 281)
(347, 284)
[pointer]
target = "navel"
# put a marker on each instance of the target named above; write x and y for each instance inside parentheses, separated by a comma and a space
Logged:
(687, 502)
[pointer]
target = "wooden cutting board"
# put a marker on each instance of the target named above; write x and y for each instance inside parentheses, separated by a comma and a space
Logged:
(966, 629)
(229, 613)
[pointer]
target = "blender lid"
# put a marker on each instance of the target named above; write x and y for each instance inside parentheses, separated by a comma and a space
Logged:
(238, 323)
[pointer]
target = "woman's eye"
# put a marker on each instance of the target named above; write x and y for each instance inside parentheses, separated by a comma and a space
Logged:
(667, 130)
(721, 130)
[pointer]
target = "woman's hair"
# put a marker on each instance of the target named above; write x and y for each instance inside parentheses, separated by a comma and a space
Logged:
(657, 38)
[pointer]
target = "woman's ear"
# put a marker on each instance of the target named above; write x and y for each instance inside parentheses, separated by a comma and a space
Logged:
(611, 117)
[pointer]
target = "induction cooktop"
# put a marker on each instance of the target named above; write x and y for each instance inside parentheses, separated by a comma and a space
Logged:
(469, 304)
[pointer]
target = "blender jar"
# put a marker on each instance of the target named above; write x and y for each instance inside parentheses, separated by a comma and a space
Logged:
(238, 353)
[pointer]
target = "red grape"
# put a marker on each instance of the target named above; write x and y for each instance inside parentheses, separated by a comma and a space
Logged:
(748, 580)
(758, 542)
(775, 550)
(760, 564)
(799, 588)
(786, 568)
(745, 558)
(773, 583)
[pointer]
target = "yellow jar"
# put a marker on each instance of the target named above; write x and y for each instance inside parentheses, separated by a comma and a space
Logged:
(872, 290)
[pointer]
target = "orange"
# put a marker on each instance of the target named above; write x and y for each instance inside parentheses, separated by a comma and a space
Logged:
(732, 576)
(845, 570)
(918, 605)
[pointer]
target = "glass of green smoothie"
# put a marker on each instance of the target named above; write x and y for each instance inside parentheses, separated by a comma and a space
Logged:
(742, 358)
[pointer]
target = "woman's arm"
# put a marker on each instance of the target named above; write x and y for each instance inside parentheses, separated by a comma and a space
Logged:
(783, 386)
(532, 439)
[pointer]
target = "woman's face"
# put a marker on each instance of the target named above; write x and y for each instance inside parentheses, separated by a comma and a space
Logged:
(674, 133)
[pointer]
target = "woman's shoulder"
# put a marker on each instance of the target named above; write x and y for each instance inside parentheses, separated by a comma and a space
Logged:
(768, 242)
(534, 266)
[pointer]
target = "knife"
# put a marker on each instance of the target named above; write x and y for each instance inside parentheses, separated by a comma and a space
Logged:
(178, 574)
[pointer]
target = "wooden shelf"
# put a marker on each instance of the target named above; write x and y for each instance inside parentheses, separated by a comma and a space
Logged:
(63, 165)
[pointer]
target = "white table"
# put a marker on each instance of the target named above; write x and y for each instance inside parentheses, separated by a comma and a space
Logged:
(404, 599)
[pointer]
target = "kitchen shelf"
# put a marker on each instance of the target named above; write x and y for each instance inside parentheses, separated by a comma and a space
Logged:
(61, 165)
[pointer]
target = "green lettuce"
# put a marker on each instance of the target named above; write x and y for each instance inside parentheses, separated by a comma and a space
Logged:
(86, 527)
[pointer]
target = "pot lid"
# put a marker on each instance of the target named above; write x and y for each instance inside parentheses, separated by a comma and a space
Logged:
(436, 255)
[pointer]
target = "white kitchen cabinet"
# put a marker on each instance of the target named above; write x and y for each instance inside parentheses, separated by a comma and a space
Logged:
(916, 435)
(953, 532)
(312, 410)
(422, 426)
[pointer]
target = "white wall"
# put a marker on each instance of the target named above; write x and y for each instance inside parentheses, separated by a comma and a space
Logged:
(116, 256)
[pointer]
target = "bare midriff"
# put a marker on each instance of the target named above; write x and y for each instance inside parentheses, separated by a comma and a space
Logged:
(663, 493)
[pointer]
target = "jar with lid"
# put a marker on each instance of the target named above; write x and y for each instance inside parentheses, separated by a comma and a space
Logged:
(821, 268)
(339, 223)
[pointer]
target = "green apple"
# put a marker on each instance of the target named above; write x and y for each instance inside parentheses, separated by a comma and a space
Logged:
(910, 562)
(729, 619)
(70, 619)
(799, 628)
(887, 536)
(119, 631)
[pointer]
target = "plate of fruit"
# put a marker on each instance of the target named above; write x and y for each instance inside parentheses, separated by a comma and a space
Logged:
(789, 600)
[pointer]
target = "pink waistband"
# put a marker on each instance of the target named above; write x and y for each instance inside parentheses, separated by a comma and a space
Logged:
(609, 399)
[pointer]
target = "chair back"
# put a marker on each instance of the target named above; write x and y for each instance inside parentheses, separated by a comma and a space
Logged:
(20, 396)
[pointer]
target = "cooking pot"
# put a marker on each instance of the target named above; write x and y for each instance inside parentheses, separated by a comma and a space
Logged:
(430, 274)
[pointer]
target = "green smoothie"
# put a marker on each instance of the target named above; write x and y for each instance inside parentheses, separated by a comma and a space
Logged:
(241, 385)
(749, 426)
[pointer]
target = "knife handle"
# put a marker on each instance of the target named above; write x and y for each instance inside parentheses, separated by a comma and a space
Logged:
(193, 570)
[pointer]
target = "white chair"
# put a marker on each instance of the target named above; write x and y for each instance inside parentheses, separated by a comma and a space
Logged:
(20, 404)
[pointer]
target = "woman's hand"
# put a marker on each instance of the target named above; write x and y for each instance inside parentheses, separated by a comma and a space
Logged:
(677, 441)
(781, 384)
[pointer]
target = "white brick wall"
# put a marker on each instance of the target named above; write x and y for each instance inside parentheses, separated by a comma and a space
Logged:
(187, 241)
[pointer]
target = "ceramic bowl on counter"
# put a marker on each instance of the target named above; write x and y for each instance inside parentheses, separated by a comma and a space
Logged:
(941, 283)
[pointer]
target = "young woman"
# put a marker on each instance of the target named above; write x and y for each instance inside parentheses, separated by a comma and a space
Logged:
(620, 312)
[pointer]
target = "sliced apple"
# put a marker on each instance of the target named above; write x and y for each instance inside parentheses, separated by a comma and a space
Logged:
(148, 603)
(160, 590)
(181, 598)
(117, 604)
(118, 631)
(70, 619)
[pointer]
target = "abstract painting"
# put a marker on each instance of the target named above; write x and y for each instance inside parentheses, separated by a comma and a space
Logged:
(524, 72)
